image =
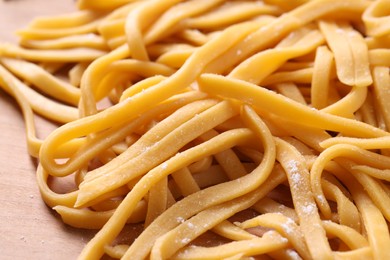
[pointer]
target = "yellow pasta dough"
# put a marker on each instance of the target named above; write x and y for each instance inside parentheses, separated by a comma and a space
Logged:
(222, 129)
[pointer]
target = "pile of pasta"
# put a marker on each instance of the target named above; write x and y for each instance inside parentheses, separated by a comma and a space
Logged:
(212, 129)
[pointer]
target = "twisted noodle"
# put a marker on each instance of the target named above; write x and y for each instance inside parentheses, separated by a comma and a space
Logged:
(225, 129)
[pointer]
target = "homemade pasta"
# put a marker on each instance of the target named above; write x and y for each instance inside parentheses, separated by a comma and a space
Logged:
(222, 129)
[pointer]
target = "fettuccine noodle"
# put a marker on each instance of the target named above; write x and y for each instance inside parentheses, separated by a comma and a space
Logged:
(225, 129)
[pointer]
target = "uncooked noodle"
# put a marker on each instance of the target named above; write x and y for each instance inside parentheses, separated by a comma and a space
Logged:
(225, 129)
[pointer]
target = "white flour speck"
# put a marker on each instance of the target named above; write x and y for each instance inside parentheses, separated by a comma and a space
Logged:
(308, 209)
(180, 219)
(288, 226)
(292, 167)
(185, 240)
(296, 178)
(194, 85)
(294, 255)
(164, 165)
(283, 239)
(321, 198)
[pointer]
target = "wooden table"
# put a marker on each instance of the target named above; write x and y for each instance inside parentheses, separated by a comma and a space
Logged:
(28, 228)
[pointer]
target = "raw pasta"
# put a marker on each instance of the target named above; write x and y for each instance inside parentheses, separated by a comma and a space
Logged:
(221, 129)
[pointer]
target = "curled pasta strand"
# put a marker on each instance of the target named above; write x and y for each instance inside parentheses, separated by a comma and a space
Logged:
(91, 77)
(69, 20)
(285, 226)
(275, 30)
(104, 140)
(230, 13)
(182, 135)
(44, 81)
(271, 241)
(361, 58)
(166, 245)
(347, 106)
(164, 89)
(137, 21)
(366, 112)
(379, 57)
(128, 69)
(157, 201)
(290, 90)
(220, 193)
(112, 26)
(294, 65)
(50, 197)
(350, 54)
(351, 237)
(377, 42)
(88, 219)
(231, 231)
(33, 142)
(287, 6)
(298, 76)
(51, 66)
(364, 252)
(252, 94)
(320, 84)
(373, 172)
(375, 18)
(340, 150)
(227, 159)
(381, 90)
(101, 4)
(39, 103)
(112, 31)
(182, 77)
(185, 181)
(347, 211)
(304, 200)
(73, 41)
(175, 58)
(372, 218)
(301, 132)
(153, 136)
(268, 205)
(77, 54)
(313, 10)
(76, 72)
(193, 36)
(201, 165)
(364, 143)
(270, 60)
(175, 16)
(49, 33)
(116, 251)
(380, 197)
(117, 221)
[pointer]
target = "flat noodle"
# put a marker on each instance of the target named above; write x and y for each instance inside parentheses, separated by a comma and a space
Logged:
(320, 84)
(261, 124)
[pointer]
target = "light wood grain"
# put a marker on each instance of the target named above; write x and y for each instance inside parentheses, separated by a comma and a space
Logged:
(28, 228)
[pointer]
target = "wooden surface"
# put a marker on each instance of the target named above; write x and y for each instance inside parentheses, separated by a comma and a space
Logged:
(28, 228)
